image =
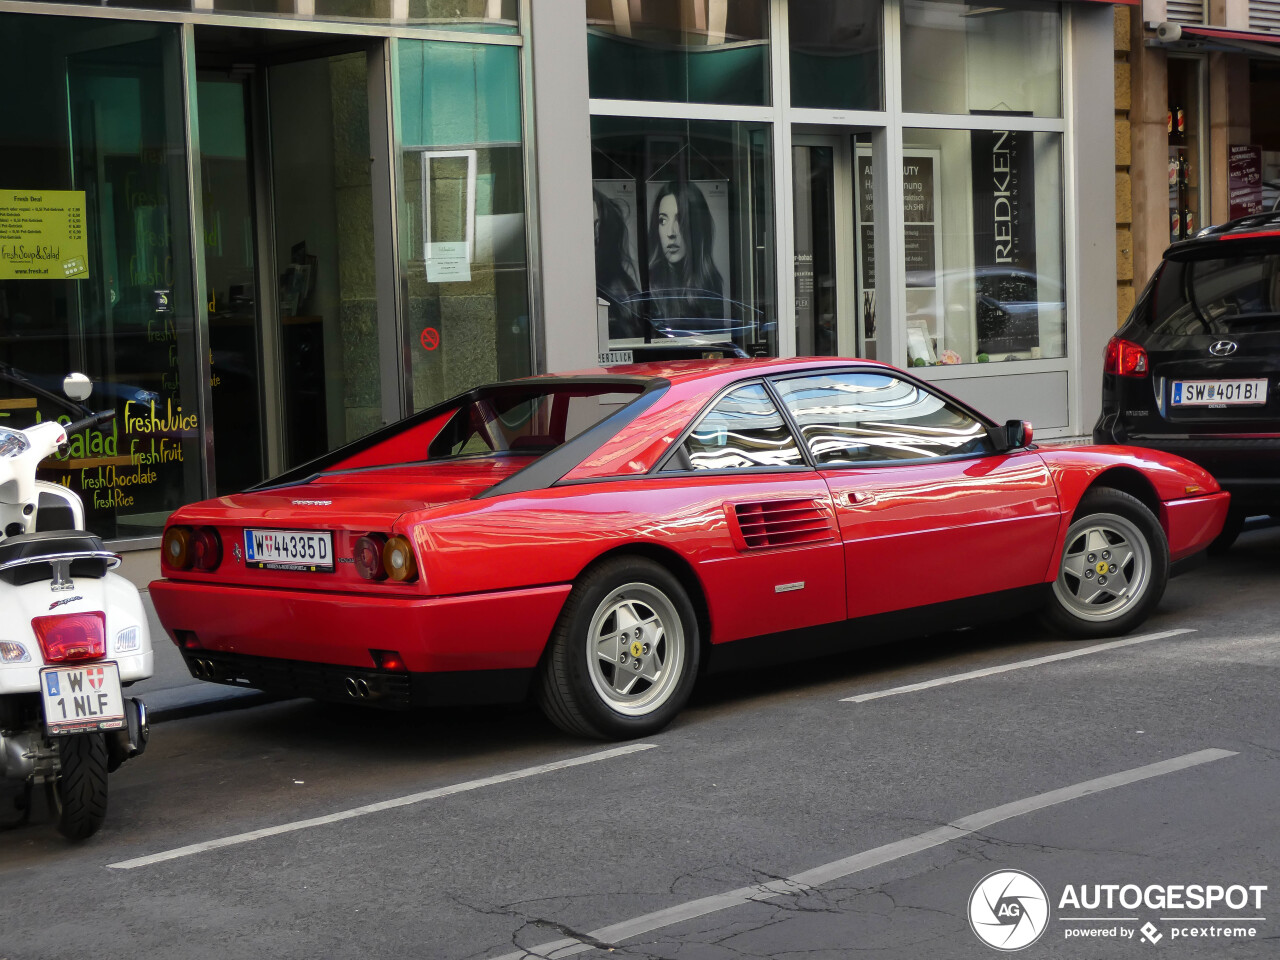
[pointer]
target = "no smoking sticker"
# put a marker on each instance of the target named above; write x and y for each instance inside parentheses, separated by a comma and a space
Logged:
(430, 338)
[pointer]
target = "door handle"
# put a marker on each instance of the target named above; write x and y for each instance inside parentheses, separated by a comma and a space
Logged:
(856, 498)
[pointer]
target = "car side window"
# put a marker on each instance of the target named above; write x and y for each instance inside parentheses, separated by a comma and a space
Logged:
(872, 417)
(744, 429)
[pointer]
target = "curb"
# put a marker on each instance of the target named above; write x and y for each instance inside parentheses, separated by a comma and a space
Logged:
(204, 705)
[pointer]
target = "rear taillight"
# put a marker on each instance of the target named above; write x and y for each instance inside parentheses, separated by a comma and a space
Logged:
(368, 557)
(176, 548)
(398, 561)
(1125, 358)
(72, 636)
(206, 549)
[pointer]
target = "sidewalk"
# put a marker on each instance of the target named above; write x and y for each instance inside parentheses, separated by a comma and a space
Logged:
(173, 694)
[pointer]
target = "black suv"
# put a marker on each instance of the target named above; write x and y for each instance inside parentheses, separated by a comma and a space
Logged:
(1195, 370)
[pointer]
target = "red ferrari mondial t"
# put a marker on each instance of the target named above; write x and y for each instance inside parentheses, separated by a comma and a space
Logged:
(596, 538)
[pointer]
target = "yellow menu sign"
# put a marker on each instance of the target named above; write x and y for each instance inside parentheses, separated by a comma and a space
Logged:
(42, 235)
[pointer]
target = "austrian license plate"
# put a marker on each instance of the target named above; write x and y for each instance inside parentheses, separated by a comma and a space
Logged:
(82, 699)
(288, 550)
(1204, 393)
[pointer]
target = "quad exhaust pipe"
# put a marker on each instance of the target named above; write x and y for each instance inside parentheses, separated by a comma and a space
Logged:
(357, 688)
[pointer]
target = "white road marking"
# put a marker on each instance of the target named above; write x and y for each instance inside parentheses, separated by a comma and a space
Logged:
(379, 807)
(1018, 665)
(611, 936)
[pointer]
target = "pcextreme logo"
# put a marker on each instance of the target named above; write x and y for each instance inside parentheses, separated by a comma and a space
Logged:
(1008, 910)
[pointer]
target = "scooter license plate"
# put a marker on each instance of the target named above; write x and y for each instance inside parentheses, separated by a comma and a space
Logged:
(82, 699)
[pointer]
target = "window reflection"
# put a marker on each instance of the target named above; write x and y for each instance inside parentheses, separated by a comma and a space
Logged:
(836, 53)
(744, 429)
(974, 58)
(694, 51)
(869, 417)
(682, 237)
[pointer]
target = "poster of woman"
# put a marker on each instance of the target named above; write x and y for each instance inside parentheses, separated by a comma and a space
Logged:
(617, 278)
(689, 253)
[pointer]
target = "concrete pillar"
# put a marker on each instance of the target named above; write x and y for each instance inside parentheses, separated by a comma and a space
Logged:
(1093, 131)
(1228, 123)
(1149, 147)
(565, 280)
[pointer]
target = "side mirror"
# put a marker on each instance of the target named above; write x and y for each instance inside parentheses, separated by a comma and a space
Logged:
(77, 386)
(1014, 435)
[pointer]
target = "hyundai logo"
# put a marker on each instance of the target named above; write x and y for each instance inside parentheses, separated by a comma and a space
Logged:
(1223, 348)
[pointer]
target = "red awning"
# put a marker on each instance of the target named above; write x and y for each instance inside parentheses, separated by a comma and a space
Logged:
(1238, 39)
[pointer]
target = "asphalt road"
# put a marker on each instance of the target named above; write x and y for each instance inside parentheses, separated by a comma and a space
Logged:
(775, 818)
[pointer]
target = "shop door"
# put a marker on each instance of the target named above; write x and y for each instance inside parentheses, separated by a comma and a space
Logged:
(299, 365)
(231, 277)
(834, 251)
(823, 270)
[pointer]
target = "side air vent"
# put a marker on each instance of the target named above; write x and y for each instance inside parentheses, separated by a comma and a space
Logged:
(782, 523)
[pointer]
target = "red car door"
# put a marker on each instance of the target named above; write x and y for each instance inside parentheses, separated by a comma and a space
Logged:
(781, 566)
(928, 510)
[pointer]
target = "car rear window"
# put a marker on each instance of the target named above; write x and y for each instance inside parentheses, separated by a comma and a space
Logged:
(1215, 296)
(530, 419)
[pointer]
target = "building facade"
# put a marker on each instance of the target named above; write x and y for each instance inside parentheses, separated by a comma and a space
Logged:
(266, 227)
(1199, 81)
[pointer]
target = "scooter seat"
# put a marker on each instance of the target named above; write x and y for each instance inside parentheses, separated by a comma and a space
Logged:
(24, 554)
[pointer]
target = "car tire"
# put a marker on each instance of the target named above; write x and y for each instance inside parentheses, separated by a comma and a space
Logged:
(80, 793)
(624, 654)
(1231, 528)
(1113, 537)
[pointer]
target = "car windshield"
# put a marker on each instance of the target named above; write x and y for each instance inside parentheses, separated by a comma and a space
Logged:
(528, 418)
(1216, 296)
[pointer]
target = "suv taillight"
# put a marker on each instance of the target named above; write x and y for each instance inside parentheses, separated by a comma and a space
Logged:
(1125, 358)
(72, 636)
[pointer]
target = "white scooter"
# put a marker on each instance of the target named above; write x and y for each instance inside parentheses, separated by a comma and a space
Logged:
(72, 635)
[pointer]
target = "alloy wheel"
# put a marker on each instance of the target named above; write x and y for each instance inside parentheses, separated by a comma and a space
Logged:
(1106, 567)
(636, 649)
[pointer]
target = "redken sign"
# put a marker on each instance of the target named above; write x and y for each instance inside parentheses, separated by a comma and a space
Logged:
(1004, 239)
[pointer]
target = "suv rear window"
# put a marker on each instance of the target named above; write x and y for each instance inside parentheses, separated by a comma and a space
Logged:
(1215, 296)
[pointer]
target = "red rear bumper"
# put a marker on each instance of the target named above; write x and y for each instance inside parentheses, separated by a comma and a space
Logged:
(488, 631)
(1193, 523)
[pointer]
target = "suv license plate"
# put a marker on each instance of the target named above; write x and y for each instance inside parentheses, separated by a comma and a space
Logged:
(288, 550)
(82, 699)
(1203, 393)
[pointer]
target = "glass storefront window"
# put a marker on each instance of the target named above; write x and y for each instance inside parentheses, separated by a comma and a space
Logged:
(969, 58)
(686, 51)
(1186, 207)
(462, 219)
(95, 260)
(684, 241)
(836, 53)
(478, 16)
(984, 264)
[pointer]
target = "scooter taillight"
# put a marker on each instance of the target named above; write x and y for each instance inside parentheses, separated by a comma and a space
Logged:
(72, 636)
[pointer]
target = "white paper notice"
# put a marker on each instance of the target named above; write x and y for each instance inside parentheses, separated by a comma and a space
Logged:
(448, 262)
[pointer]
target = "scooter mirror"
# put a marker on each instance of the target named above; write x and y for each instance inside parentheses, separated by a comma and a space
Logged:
(77, 386)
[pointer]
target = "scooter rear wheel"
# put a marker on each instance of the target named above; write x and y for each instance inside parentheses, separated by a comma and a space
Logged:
(81, 790)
